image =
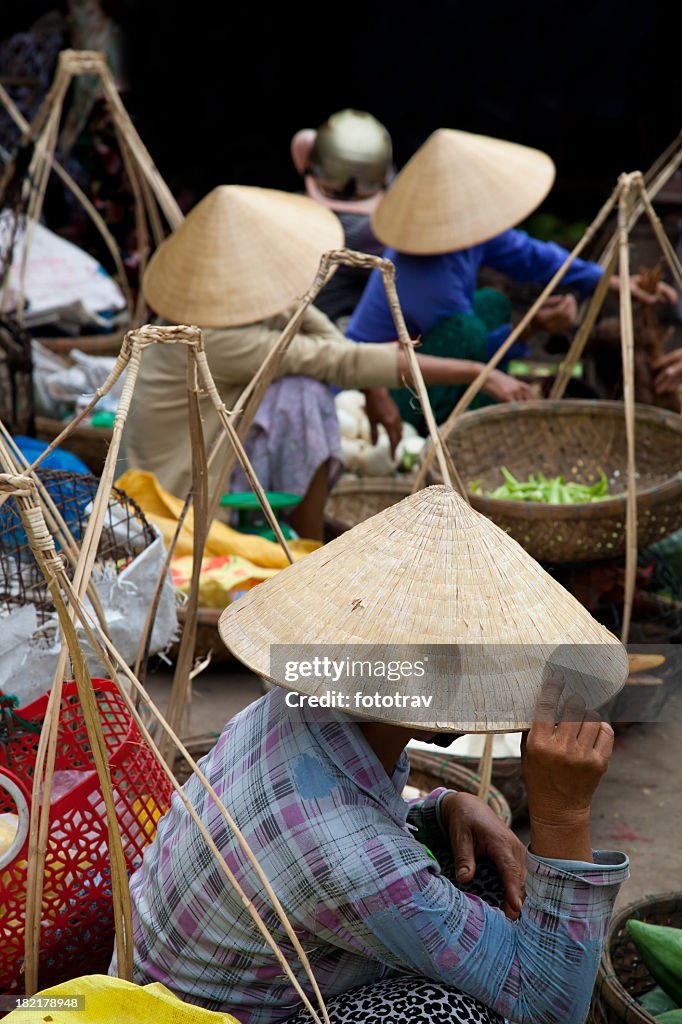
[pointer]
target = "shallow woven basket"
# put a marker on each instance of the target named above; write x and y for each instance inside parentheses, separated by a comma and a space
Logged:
(428, 772)
(622, 976)
(356, 498)
(507, 776)
(577, 439)
(207, 637)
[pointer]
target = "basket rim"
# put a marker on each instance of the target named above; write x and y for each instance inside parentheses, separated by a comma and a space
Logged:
(420, 760)
(568, 406)
(348, 483)
(607, 983)
(607, 507)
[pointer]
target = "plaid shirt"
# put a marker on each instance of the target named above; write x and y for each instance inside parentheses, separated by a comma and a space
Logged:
(330, 829)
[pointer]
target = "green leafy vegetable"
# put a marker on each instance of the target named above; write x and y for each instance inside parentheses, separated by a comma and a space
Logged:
(656, 1002)
(554, 491)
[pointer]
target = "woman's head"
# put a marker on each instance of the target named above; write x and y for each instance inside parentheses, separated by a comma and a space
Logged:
(461, 189)
(346, 162)
(241, 255)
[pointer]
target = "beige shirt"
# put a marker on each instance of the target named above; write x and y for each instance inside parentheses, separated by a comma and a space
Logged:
(156, 436)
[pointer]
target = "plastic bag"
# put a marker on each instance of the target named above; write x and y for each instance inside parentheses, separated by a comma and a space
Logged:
(106, 1000)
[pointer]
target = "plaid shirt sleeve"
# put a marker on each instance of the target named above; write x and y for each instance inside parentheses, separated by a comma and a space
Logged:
(424, 817)
(397, 909)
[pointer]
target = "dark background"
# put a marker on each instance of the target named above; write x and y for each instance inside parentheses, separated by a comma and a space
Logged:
(217, 90)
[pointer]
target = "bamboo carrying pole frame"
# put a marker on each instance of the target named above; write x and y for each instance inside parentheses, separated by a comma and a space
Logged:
(631, 197)
(22, 482)
(151, 194)
(68, 596)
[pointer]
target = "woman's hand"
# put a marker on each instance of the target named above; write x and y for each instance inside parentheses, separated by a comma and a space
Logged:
(381, 408)
(664, 292)
(563, 760)
(557, 314)
(475, 829)
(669, 376)
(504, 388)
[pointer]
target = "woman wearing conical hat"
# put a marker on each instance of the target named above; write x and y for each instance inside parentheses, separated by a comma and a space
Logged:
(452, 209)
(235, 268)
(424, 620)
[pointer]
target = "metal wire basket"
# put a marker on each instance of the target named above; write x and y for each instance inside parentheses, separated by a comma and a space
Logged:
(125, 534)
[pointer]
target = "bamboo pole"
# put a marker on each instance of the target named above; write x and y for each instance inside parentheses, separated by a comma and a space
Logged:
(658, 175)
(485, 769)
(54, 519)
(75, 189)
(580, 340)
(54, 568)
(142, 655)
(181, 689)
(248, 402)
(628, 356)
(663, 240)
(138, 163)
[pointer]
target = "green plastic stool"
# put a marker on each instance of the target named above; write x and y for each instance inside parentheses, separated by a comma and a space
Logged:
(246, 503)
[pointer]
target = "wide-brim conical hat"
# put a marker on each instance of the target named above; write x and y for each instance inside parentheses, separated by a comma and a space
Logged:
(242, 254)
(459, 190)
(428, 577)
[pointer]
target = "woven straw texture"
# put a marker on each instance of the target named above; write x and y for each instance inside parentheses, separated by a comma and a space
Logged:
(577, 439)
(432, 571)
(507, 777)
(356, 498)
(429, 771)
(241, 255)
(459, 190)
(622, 976)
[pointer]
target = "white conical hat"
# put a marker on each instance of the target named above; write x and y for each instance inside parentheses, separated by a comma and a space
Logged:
(459, 190)
(429, 576)
(242, 254)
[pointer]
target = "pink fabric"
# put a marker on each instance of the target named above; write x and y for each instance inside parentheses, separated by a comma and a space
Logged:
(295, 431)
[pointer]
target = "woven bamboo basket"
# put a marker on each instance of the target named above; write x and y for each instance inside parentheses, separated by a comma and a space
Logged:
(577, 439)
(507, 775)
(207, 638)
(622, 976)
(356, 498)
(428, 772)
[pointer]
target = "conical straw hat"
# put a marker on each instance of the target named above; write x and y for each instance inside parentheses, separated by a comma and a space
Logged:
(242, 254)
(459, 190)
(428, 577)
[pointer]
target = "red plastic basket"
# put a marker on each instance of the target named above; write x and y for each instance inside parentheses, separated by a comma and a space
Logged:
(77, 931)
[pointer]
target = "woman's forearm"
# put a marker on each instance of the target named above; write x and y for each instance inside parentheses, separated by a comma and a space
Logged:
(561, 837)
(436, 370)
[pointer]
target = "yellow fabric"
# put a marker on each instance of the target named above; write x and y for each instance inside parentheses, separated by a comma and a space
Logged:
(111, 1001)
(220, 576)
(163, 508)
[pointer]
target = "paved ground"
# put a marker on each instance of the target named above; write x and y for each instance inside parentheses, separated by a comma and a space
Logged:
(637, 809)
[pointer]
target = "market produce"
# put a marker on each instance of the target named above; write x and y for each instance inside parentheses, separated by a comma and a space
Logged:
(661, 950)
(552, 491)
(657, 1003)
(360, 455)
(9, 824)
